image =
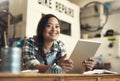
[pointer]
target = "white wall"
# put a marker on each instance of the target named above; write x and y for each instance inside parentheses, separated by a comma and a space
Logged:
(112, 23)
(110, 54)
(34, 11)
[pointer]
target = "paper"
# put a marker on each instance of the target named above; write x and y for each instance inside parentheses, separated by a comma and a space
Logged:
(31, 71)
(99, 71)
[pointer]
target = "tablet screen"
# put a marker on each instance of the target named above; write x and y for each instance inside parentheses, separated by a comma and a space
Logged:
(83, 50)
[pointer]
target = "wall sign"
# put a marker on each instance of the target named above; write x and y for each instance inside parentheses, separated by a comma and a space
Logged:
(52, 4)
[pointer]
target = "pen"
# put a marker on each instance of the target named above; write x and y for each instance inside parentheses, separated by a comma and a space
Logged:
(5, 39)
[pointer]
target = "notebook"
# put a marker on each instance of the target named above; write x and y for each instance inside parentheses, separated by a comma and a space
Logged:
(83, 50)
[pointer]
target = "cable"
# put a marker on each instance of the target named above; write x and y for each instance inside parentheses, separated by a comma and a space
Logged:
(96, 10)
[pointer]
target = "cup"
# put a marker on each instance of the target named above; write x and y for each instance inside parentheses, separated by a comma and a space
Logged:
(85, 36)
(11, 60)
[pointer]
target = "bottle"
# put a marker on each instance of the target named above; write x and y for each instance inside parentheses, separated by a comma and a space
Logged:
(101, 60)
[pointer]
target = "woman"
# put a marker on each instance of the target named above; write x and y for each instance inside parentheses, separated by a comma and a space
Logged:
(44, 50)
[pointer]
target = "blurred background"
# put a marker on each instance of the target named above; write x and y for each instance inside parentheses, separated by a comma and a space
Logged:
(96, 20)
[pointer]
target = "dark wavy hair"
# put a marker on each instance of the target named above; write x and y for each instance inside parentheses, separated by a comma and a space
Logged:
(41, 26)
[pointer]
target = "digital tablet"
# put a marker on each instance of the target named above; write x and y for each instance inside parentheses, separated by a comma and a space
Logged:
(83, 50)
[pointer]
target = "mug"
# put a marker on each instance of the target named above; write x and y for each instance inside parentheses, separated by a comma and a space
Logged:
(11, 59)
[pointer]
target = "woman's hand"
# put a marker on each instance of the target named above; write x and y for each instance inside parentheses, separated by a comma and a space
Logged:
(89, 63)
(66, 64)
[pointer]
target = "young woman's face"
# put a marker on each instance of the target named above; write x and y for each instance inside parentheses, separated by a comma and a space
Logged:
(52, 29)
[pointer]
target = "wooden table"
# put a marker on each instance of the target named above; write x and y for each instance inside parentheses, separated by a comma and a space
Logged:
(58, 77)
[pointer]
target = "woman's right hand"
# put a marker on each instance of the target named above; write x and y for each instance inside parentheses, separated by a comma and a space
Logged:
(66, 64)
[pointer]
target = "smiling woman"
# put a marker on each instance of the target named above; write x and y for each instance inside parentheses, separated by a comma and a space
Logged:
(44, 50)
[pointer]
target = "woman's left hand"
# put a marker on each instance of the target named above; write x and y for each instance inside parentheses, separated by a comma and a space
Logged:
(89, 63)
